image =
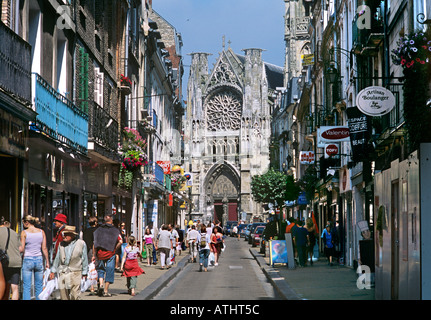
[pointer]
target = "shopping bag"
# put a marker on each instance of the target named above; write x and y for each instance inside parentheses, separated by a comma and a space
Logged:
(85, 284)
(224, 247)
(144, 252)
(48, 286)
(171, 257)
(211, 258)
(92, 274)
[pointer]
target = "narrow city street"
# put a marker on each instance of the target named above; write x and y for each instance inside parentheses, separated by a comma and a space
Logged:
(237, 277)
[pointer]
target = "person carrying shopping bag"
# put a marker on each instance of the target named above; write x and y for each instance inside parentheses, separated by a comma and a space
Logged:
(70, 264)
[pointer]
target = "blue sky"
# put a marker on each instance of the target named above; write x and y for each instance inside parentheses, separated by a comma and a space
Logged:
(246, 23)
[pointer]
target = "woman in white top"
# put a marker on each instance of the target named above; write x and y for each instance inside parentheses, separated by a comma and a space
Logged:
(33, 244)
(203, 243)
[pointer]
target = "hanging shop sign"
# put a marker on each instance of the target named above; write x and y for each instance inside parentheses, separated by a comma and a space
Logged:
(306, 157)
(331, 150)
(331, 134)
(359, 125)
(307, 59)
(375, 101)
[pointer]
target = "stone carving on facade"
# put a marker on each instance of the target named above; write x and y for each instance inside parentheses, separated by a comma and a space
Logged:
(224, 74)
(223, 111)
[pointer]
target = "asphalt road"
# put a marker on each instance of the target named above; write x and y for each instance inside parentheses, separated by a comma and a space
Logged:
(237, 277)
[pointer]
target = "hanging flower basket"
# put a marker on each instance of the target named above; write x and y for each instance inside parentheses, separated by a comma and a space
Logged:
(413, 51)
(414, 55)
(125, 85)
(133, 155)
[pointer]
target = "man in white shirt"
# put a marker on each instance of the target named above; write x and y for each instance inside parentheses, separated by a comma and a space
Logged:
(164, 245)
(191, 242)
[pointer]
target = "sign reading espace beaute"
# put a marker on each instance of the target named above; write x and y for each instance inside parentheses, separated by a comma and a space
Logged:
(375, 101)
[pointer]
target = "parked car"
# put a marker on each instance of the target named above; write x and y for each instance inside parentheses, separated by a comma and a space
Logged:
(251, 228)
(229, 226)
(256, 236)
(241, 229)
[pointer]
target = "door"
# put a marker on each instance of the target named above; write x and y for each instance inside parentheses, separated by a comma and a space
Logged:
(395, 240)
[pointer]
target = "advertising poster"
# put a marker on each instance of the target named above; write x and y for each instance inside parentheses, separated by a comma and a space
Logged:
(278, 251)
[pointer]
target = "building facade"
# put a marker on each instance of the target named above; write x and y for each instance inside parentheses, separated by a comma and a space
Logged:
(227, 132)
(88, 73)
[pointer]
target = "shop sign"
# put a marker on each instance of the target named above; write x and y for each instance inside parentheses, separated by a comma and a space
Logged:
(375, 101)
(166, 166)
(306, 157)
(302, 199)
(307, 59)
(331, 150)
(170, 200)
(359, 125)
(332, 134)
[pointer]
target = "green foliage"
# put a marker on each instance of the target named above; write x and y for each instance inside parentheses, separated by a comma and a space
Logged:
(274, 187)
(309, 181)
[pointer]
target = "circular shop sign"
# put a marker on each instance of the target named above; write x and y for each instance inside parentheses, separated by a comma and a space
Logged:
(331, 149)
(375, 101)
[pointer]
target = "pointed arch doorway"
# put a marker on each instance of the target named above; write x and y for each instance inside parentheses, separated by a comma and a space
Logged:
(222, 188)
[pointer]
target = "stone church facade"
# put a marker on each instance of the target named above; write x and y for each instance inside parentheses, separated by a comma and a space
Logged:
(227, 132)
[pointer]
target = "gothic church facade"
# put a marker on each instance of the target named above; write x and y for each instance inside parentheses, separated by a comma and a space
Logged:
(227, 132)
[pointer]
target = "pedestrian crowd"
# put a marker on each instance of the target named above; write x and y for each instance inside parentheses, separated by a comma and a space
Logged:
(88, 262)
(304, 238)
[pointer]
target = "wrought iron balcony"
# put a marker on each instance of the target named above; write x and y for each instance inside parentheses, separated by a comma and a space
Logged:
(103, 134)
(15, 65)
(58, 117)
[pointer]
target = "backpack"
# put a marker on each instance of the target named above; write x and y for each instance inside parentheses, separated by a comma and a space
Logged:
(203, 242)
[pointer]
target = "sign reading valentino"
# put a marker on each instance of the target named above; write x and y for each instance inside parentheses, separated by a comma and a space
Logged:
(375, 101)
(330, 134)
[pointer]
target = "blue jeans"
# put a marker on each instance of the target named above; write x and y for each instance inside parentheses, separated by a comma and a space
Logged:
(32, 266)
(106, 268)
(203, 257)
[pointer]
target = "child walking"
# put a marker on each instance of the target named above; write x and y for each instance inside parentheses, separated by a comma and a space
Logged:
(130, 266)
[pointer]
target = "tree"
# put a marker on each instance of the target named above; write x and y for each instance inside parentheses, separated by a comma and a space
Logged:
(274, 187)
(269, 187)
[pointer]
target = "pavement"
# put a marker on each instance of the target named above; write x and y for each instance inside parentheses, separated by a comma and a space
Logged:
(317, 282)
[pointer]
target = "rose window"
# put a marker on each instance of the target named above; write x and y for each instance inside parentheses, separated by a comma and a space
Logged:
(224, 112)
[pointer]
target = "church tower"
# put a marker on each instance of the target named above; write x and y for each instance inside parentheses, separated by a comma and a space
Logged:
(296, 37)
(227, 132)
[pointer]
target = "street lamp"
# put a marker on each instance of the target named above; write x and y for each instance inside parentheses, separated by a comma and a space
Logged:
(332, 73)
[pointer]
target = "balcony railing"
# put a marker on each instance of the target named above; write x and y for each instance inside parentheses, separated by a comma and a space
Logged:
(58, 117)
(102, 129)
(15, 64)
(153, 172)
